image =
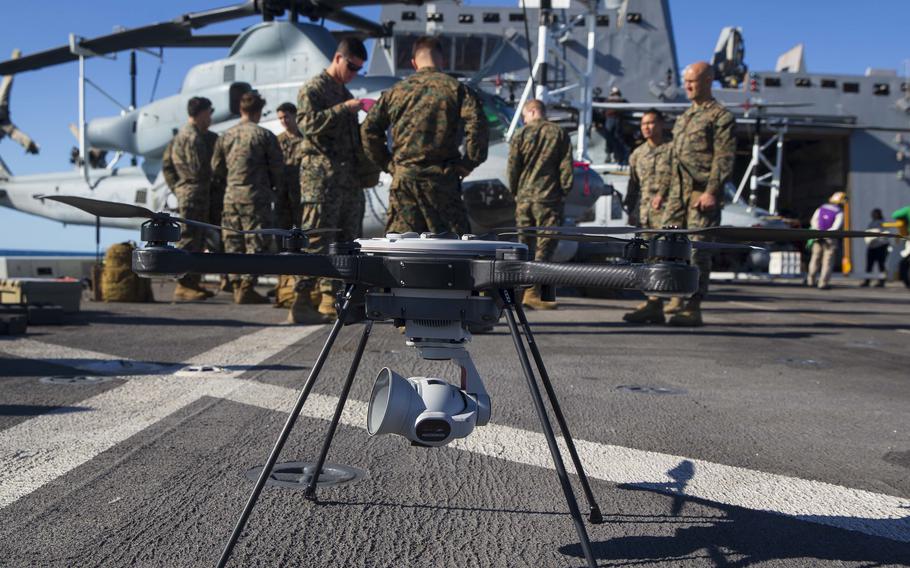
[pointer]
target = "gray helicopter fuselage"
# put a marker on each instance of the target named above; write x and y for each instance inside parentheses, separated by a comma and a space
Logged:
(275, 58)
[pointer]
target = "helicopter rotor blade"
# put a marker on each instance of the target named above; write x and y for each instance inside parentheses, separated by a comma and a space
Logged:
(100, 208)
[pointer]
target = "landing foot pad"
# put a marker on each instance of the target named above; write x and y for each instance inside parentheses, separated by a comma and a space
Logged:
(297, 475)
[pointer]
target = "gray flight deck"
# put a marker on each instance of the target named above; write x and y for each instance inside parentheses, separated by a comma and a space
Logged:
(777, 435)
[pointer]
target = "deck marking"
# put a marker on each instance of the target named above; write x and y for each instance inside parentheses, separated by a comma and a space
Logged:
(43, 448)
(813, 501)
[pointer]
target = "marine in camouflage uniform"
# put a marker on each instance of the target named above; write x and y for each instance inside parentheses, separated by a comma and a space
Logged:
(333, 168)
(649, 176)
(425, 113)
(540, 175)
(701, 157)
(649, 180)
(248, 158)
(187, 169)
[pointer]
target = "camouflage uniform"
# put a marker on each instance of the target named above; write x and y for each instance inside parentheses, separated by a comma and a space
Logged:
(248, 158)
(287, 203)
(649, 176)
(333, 169)
(540, 176)
(187, 168)
(425, 113)
(701, 158)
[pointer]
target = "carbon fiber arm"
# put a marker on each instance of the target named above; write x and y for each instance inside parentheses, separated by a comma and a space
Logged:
(660, 279)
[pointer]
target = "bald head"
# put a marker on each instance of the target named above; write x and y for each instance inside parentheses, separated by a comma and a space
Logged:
(533, 110)
(697, 79)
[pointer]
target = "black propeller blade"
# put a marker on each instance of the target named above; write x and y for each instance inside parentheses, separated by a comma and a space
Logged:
(582, 237)
(101, 208)
(758, 234)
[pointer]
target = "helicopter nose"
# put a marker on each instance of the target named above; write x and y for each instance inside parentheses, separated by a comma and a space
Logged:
(113, 133)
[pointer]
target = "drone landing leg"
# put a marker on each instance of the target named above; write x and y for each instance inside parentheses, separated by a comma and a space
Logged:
(310, 492)
(595, 516)
(548, 432)
(288, 426)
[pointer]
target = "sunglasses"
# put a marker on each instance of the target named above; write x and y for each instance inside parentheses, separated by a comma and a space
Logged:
(351, 67)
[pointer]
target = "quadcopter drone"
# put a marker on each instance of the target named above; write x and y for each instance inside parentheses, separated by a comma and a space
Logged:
(437, 287)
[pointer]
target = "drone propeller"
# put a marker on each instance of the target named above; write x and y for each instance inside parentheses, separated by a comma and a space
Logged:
(757, 234)
(588, 238)
(101, 208)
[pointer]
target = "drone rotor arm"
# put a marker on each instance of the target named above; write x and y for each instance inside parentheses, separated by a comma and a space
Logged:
(660, 278)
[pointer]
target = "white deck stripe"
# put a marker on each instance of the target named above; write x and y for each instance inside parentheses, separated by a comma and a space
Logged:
(43, 448)
(51, 353)
(814, 501)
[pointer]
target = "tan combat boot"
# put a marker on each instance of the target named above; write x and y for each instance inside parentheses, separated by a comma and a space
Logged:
(674, 305)
(689, 316)
(186, 294)
(193, 282)
(303, 312)
(284, 291)
(246, 293)
(327, 306)
(650, 311)
(532, 300)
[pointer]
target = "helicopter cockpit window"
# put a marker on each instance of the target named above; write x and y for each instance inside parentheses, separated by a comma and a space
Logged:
(403, 47)
(468, 53)
(498, 114)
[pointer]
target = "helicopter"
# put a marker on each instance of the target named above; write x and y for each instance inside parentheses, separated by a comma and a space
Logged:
(274, 57)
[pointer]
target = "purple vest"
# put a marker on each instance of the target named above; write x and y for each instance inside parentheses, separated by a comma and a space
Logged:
(827, 214)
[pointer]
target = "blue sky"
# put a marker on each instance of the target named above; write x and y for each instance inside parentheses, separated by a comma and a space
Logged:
(840, 36)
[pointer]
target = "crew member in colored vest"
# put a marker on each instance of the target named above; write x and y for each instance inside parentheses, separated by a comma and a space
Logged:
(828, 217)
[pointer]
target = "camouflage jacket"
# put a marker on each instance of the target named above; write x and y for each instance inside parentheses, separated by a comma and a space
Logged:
(330, 131)
(540, 163)
(426, 112)
(290, 149)
(649, 175)
(248, 158)
(703, 149)
(187, 161)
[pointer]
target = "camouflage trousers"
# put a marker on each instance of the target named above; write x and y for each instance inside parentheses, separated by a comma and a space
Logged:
(345, 212)
(683, 214)
(192, 203)
(245, 216)
(422, 206)
(531, 214)
(649, 217)
(213, 240)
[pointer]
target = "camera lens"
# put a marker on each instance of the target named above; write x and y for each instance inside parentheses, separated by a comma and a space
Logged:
(432, 430)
